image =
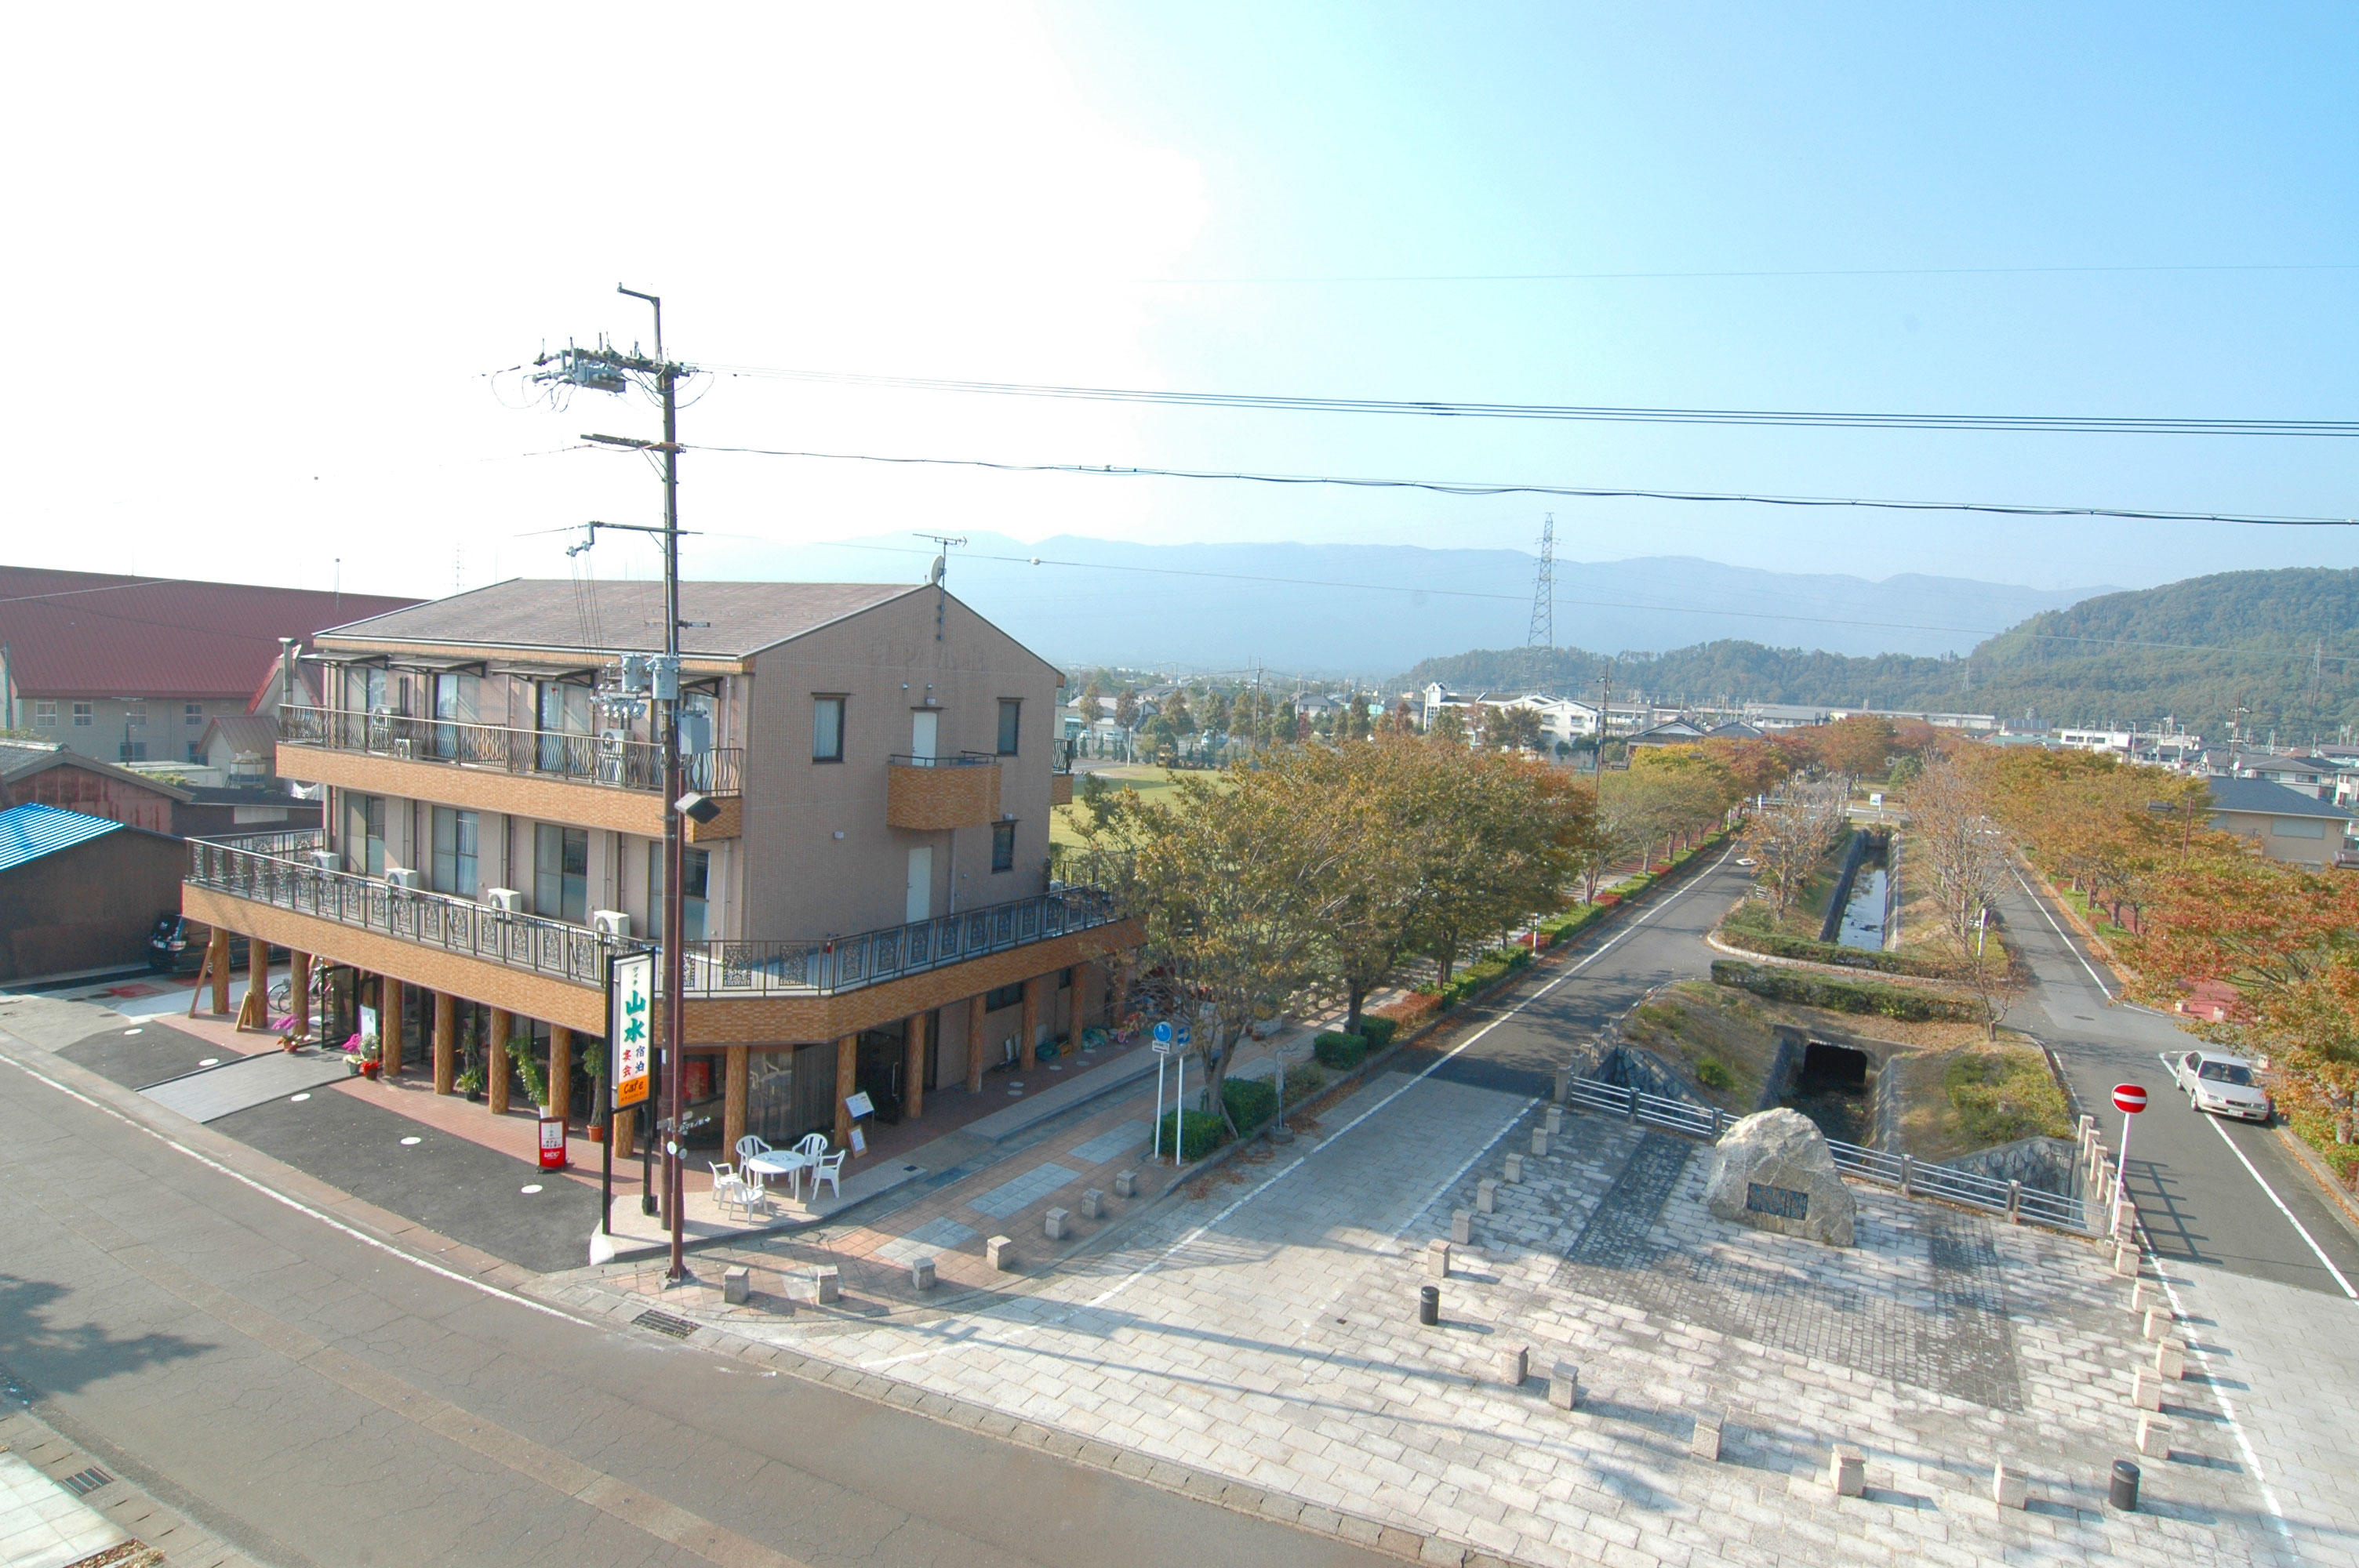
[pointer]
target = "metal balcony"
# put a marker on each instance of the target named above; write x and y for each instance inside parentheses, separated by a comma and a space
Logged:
(611, 760)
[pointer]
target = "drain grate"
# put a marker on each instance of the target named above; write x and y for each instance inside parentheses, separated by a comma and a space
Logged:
(83, 1482)
(664, 1323)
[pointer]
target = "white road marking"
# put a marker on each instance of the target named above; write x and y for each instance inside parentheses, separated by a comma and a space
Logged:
(2227, 1409)
(2040, 905)
(1297, 1162)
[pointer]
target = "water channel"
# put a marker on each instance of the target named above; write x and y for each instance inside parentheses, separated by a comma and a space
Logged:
(1863, 917)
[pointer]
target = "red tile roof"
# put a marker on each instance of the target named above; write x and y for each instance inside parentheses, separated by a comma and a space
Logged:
(89, 634)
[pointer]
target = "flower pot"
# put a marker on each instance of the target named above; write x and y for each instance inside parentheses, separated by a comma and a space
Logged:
(597, 1132)
(474, 1097)
(370, 1070)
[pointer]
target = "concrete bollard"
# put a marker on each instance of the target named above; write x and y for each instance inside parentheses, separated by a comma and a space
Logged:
(1540, 1140)
(2125, 1261)
(1514, 1173)
(1000, 1253)
(1847, 1472)
(1486, 1196)
(1093, 1204)
(1125, 1184)
(1703, 1442)
(1555, 1119)
(1055, 1222)
(1429, 1305)
(2145, 1391)
(2170, 1360)
(1514, 1365)
(828, 1280)
(2010, 1488)
(2157, 1324)
(2154, 1436)
(1564, 1385)
(1563, 1090)
(736, 1284)
(1437, 1260)
(2124, 1219)
(921, 1273)
(1462, 1226)
(2144, 1294)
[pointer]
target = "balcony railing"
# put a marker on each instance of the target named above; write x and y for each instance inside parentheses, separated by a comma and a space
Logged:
(268, 870)
(610, 759)
(963, 760)
(274, 869)
(848, 963)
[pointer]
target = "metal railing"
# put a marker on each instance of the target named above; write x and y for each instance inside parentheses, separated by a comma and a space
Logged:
(1912, 1177)
(610, 758)
(963, 760)
(720, 969)
(271, 869)
(527, 942)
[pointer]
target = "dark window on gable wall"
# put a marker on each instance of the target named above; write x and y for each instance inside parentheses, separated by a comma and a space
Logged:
(1003, 846)
(1011, 724)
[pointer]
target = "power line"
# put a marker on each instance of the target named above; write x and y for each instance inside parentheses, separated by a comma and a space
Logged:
(1765, 273)
(2016, 423)
(1591, 492)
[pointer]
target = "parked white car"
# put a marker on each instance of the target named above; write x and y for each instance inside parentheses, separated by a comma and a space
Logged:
(2222, 1085)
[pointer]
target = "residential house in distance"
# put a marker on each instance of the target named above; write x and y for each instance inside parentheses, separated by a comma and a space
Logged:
(870, 908)
(128, 669)
(2313, 777)
(80, 893)
(2286, 824)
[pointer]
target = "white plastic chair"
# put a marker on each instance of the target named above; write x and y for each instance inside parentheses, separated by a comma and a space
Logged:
(828, 1168)
(729, 1188)
(748, 1147)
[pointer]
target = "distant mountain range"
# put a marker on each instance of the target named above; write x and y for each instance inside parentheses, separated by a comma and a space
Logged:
(2281, 648)
(1364, 609)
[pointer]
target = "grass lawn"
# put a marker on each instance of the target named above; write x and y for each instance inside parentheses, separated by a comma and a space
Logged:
(1141, 779)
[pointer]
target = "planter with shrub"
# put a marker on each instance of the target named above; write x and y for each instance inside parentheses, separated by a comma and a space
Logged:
(1199, 1135)
(1250, 1102)
(1341, 1051)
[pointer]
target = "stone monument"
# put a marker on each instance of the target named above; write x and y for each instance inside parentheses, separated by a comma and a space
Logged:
(1773, 1171)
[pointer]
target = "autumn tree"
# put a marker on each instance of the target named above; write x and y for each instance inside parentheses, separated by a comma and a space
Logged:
(1790, 837)
(1126, 708)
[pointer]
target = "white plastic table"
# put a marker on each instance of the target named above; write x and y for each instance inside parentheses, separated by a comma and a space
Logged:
(782, 1163)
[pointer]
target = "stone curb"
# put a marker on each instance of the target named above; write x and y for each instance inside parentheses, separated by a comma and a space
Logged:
(157, 1534)
(2321, 1173)
(1844, 972)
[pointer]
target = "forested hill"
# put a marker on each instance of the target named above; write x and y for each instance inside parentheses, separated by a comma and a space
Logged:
(2195, 650)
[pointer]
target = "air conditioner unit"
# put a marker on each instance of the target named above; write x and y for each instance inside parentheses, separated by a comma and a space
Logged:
(402, 877)
(611, 921)
(507, 901)
(402, 748)
(325, 860)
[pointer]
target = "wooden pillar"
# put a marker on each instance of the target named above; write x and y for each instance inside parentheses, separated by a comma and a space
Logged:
(847, 1072)
(389, 1007)
(560, 1071)
(737, 1071)
(217, 965)
(626, 1132)
(1029, 1045)
(913, 1069)
(298, 992)
(496, 1063)
(974, 1045)
(446, 1044)
(257, 982)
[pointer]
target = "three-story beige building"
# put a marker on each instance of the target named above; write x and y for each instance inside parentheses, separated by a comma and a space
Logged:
(870, 909)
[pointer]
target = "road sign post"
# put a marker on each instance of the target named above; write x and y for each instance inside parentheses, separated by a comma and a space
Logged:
(1162, 1054)
(630, 1012)
(2129, 1099)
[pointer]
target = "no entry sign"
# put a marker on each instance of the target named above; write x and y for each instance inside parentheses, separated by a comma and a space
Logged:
(2128, 1098)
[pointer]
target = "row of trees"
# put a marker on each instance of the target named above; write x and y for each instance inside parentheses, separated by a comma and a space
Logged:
(1333, 864)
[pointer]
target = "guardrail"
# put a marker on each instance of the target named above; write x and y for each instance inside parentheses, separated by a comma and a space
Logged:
(525, 942)
(611, 759)
(1912, 1177)
(721, 969)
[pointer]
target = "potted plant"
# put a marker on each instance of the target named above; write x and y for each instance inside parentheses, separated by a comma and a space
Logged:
(471, 1082)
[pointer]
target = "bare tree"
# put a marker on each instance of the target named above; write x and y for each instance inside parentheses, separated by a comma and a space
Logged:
(1791, 835)
(1962, 853)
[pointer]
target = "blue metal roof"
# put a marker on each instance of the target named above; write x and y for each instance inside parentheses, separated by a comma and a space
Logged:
(29, 832)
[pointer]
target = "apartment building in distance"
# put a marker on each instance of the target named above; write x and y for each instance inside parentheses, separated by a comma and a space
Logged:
(870, 909)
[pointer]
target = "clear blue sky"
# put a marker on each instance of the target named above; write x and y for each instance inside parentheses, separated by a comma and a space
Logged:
(269, 268)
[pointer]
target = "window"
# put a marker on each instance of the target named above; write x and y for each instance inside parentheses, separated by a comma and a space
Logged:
(196, 751)
(695, 881)
(455, 851)
(1005, 996)
(560, 872)
(827, 729)
(2298, 828)
(132, 752)
(192, 713)
(563, 709)
(1003, 846)
(454, 704)
(83, 716)
(2227, 1072)
(364, 832)
(134, 713)
(1011, 724)
(45, 713)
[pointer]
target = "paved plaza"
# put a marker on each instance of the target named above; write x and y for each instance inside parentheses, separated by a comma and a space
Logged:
(1255, 1337)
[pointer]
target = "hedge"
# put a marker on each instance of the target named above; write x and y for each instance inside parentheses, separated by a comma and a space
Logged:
(1341, 1051)
(1842, 996)
(1250, 1102)
(1202, 1133)
(1780, 945)
(1377, 1032)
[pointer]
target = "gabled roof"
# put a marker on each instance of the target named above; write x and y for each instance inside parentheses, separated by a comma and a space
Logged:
(91, 635)
(28, 833)
(255, 732)
(1735, 729)
(23, 759)
(553, 614)
(2262, 798)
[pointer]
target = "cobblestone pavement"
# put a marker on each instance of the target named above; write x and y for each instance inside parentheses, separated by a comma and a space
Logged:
(1262, 1328)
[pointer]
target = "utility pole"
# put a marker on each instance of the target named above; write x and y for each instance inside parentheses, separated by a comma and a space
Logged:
(606, 369)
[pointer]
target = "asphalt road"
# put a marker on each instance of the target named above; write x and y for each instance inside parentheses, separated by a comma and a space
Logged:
(2209, 1191)
(1661, 941)
(316, 1397)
